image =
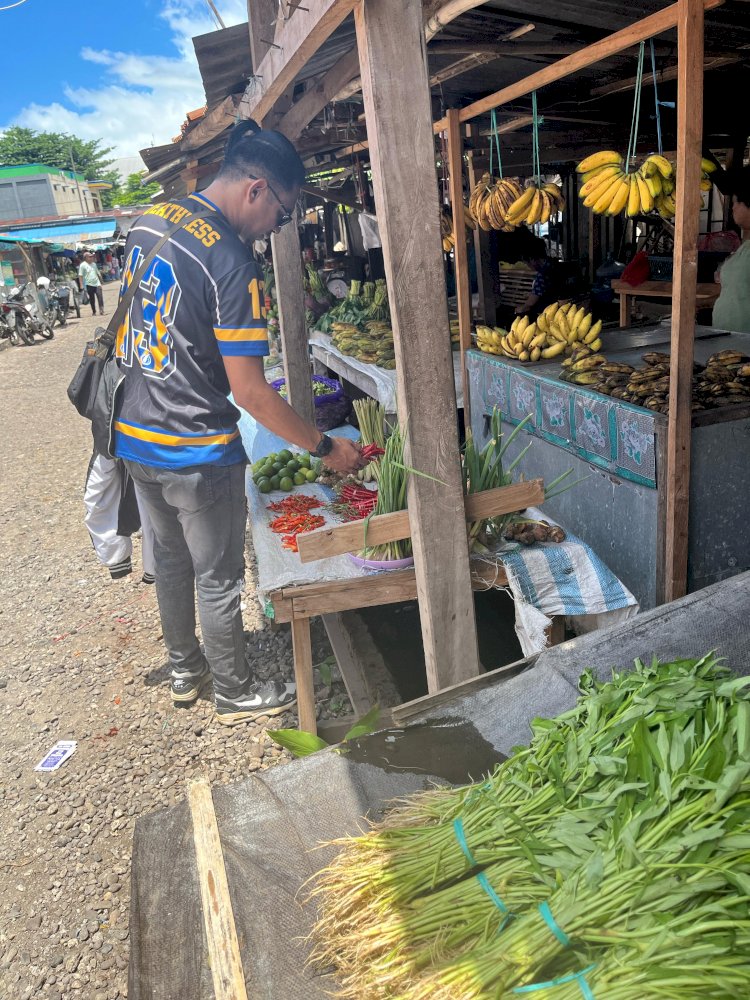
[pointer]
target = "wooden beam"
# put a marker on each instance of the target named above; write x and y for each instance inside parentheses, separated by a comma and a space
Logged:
(393, 61)
(357, 147)
(488, 277)
(465, 65)
(663, 76)
(356, 535)
(211, 125)
(296, 41)
(261, 22)
(290, 291)
(460, 256)
(641, 31)
(320, 93)
(513, 50)
(221, 934)
(316, 192)
(689, 148)
(303, 675)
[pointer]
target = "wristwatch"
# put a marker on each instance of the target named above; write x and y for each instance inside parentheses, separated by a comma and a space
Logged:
(324, 447)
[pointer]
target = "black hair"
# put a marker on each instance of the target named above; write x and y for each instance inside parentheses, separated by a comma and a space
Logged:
(740, 182)
(263, 153)
(534, 249)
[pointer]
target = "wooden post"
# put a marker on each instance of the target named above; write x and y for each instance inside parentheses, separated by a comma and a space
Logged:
(460, 256)
(303, 674)
(689, 136)
(485, 263)
(287, 267)
(393, 62)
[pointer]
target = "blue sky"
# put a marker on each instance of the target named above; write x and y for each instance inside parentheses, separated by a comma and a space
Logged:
(125, 73)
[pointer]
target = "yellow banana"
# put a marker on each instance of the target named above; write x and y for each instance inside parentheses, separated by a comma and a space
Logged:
(584, 378)
(647, 201)
(596, 345)
(584, 326)
(593, 333)
(605, 199)
(522, 325)
(551, 310)
(707, 166)
(662, 164)
(706, 184)
(599, 159)
(554, 351)
(601, 174)
(587, 363)
(561, 322)
(524, 356)
(520, 206)
(634, 198)
(528, 334)
(620, 199)
(654, 185)
(536, 354)
(541, 322)
(514, 324)
(538, 341)
(603, 185)
(547, 206)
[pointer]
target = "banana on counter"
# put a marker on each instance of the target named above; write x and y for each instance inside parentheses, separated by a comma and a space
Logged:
(555, 333)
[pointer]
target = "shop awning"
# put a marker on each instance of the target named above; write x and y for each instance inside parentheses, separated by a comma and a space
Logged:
(65, 232)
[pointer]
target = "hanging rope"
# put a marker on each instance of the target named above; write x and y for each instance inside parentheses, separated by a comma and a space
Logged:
(536, 166)
(656, 100)
(495, 138)
(636, 105)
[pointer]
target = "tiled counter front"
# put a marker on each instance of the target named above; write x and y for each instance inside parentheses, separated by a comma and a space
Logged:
(606, 432)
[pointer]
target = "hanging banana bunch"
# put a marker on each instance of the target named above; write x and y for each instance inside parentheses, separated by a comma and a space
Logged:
(608, 188)
(446, 228)
(504, 204)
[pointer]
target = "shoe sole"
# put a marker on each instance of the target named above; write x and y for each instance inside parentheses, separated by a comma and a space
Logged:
(181, 700)
(236, 718)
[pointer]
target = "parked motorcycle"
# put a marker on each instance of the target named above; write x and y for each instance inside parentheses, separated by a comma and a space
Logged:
(55, 301)
(24, 308)
(15, 332)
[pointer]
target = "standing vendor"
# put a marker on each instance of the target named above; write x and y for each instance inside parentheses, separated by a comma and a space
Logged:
(732, 308)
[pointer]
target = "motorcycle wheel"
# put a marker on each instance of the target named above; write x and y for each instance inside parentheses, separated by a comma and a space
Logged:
(77, 307)
(46, 332)
(23, 334)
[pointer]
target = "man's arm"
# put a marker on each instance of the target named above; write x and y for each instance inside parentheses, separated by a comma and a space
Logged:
(251, 391)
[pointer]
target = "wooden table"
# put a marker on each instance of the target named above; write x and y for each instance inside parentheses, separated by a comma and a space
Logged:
(707, 294)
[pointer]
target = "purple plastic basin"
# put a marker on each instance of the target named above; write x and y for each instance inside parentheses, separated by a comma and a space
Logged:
(381, 563)
(330, 397)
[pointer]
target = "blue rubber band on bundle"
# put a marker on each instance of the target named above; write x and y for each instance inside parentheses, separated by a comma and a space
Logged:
(458, 829)
(550, 921)
(586, 990)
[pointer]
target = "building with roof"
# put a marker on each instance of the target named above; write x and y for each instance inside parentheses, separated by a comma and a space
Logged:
(34, 191)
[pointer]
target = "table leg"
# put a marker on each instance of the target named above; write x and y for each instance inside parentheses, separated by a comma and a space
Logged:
(556, 630)
(303, 674)
(624, 310)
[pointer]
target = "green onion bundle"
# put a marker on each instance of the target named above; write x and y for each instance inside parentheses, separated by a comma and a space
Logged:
(392, 478)
(371, 421)
(610, 849)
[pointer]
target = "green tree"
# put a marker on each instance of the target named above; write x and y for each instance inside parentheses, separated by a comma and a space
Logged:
(134, 192)
(53, 149)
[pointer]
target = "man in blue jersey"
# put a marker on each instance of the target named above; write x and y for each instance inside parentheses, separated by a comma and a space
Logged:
(195, 330)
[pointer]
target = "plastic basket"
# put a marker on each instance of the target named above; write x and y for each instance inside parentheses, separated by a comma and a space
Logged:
(660, 268)
(334, 396)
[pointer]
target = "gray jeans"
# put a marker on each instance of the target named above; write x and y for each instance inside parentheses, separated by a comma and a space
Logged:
(199, 516)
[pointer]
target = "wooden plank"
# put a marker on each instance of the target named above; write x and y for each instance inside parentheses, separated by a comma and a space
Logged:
(664, 75)
(212, 124)
(331, 196)
(296, 40)
(487, 278)
(290, 291)
(641, 31)
(689, 144)
(320, 93)
(473, 61)
(460, 255)
(221, 933)
(334, 541)
(303, 675)
(393, 62)
(261, 17)
(344, 649)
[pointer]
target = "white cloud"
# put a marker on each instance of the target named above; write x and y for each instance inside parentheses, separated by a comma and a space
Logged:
(142, 98)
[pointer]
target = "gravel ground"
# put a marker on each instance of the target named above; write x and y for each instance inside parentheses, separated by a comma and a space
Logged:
(81, 658)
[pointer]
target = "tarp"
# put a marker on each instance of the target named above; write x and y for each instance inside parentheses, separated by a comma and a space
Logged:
(65, 231)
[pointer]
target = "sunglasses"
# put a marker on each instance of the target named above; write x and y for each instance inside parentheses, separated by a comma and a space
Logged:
(287, 214)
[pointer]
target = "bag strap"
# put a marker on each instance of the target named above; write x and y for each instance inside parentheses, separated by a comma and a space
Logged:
(108, 337)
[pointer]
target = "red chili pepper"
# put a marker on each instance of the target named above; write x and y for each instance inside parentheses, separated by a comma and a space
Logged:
(300, 503)
(371, 451)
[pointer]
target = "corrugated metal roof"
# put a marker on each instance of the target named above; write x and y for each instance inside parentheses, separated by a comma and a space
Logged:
(224, 61)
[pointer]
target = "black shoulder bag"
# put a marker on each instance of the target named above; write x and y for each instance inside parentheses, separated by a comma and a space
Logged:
(94, 388)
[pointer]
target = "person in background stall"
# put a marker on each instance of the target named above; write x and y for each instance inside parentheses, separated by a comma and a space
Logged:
(732, 308)
(548, 283)
(90, 280)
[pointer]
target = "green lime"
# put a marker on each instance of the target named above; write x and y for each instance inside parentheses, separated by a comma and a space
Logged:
(286, 484)
(264, 485)
(292, 466)
(257, 466)
(299, 479)
(277, 466)
(275, 482)
(272, 457)
(310, 475)
(304, 458)
(285, 455)
(267, 471)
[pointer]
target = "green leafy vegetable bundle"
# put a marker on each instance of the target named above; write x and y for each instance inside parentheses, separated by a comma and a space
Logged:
(609, 859)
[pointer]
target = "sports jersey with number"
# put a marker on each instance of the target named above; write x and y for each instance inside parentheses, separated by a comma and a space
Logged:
(200, 300)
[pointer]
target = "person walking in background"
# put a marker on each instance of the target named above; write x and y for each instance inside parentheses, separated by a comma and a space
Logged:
(90, 282)
(196, 329)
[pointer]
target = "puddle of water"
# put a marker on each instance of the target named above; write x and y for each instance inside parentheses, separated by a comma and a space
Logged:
(452, 749)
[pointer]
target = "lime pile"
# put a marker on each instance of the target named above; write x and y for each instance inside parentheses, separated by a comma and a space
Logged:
(283, 470)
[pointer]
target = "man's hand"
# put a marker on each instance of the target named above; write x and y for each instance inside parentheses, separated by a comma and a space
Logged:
(345, 457)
